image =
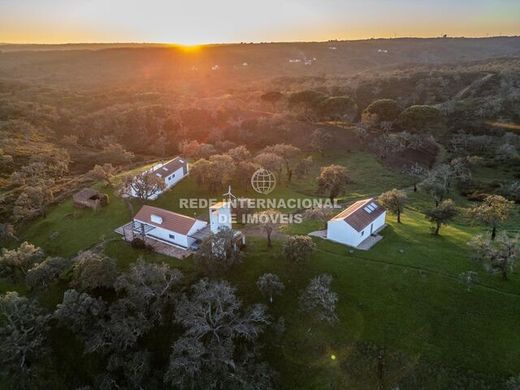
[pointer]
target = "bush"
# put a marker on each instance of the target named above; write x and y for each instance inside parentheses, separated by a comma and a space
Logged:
(138, 243)
(104, 200)
(422, 119)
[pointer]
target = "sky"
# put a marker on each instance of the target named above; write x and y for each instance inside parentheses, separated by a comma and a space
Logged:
(193, 22)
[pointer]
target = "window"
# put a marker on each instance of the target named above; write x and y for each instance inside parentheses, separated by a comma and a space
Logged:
(172, 176)
(362, 233)
(369, 208)
(172, 236)
(156, 219)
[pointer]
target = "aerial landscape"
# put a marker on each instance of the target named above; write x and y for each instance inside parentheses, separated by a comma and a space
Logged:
(275, 195)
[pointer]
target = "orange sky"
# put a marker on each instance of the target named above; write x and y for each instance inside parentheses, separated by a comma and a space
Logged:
(195, 21)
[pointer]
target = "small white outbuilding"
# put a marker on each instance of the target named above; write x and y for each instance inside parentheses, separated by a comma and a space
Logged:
(170, 172)
(357, 222)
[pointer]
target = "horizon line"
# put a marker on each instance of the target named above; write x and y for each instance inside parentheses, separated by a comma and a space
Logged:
(254, 42)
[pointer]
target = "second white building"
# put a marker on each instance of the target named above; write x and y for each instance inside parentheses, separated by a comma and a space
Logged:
(357, 222)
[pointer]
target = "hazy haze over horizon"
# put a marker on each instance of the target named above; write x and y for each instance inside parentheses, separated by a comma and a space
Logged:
(197, 22)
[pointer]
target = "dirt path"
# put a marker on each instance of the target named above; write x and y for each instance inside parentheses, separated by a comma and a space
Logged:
(475, 84)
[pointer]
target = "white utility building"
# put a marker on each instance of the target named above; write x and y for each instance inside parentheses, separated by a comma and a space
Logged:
(170, 173)
(357, 222)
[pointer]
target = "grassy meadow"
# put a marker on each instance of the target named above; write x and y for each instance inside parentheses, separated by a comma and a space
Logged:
(403, 296)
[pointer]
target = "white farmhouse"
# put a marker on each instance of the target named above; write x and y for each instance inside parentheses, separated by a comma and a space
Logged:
(357, 222)
(170, 172)
(167, 227)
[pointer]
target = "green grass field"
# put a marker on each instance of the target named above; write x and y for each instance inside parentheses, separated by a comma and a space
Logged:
(403, 294)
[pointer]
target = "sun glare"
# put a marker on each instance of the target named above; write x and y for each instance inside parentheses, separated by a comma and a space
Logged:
(187, 48)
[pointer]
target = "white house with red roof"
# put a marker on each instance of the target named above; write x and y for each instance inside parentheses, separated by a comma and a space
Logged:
(357, 222)
(180, 230)
(168, 227)
(171, 172)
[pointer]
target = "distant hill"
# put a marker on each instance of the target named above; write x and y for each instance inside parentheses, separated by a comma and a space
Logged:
(90, 64)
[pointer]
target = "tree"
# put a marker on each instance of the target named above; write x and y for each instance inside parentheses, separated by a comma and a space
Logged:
(268, 220)
(304, 167)
(506, 152)
(341, 108)
(33, 200)
(417, 172)
(150, 287)
(298, 249)
(239, 154)
(270, 285)
(218, 252)
(51, 163)
(6, 161)
(103, 172)
(387, 145)
(143, 186)
(16, 262)
(422, 119)
(70, 140)
(510, 190)
(499, 255)
(23, 329)
(81, 313)
(439, 182)
(221, 171)
(195, 149)
(92, 270)
(381, 110)
(43, 274)
(244, 171)
(320, 141)
(272, 97)
(270, 161)
(127, 370)
(287, 153)
(318, 299)
(200, 171)
(116, 153)
(442, 214)
(394, 201)
(492, 212)
(7, 232)
(214, 349)
(305, 103)
(332, 181)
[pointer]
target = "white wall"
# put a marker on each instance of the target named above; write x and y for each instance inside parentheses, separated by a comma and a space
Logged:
(379, 222)
(170, 181)
(342, 232)
(198, 225)
(164, 234)
(178, 239)
(220, 218)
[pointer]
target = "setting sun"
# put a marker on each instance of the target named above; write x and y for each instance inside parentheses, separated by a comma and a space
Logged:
(199, 22)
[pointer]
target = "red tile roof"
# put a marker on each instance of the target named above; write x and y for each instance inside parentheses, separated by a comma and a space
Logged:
(357, 216)
(174, 222)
